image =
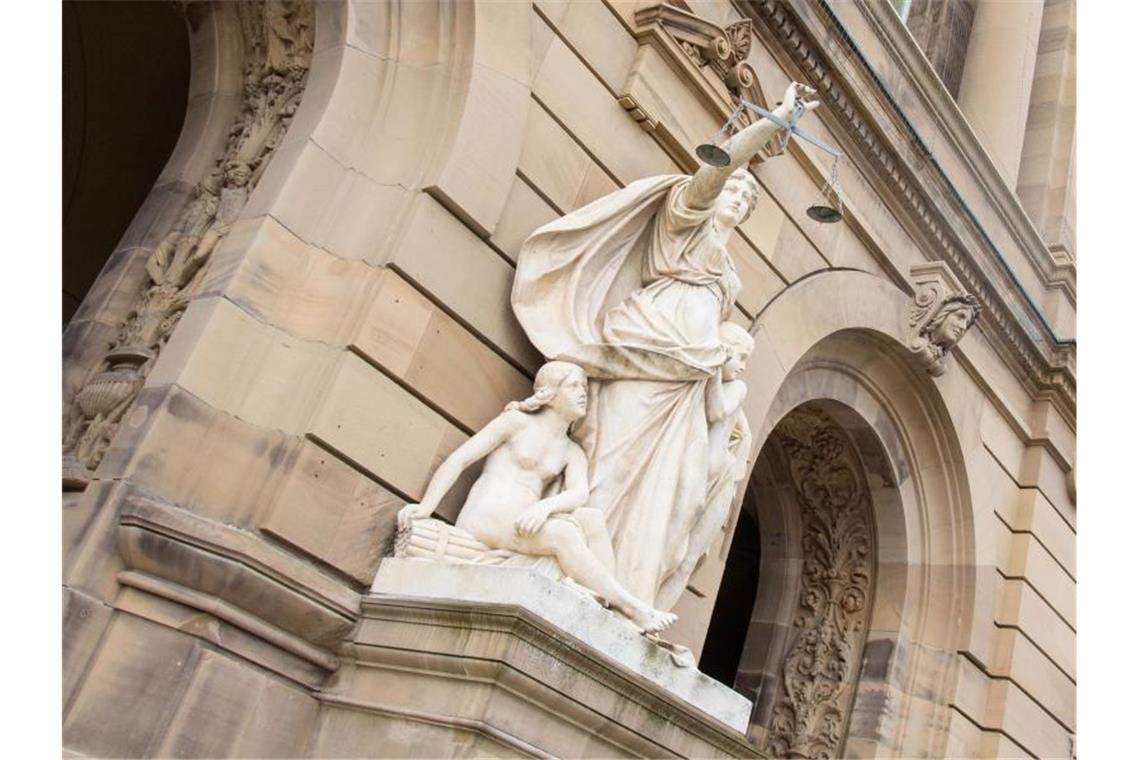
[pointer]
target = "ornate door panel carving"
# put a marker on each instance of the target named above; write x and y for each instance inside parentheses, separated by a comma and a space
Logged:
(821, 666)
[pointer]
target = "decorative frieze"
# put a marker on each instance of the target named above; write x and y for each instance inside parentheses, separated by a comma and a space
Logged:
(278, 37)
(821, 666)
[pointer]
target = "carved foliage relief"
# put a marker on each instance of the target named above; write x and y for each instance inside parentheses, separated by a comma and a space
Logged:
(821, 667)
(278, 38)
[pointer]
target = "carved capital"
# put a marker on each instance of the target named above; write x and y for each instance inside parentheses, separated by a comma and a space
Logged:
(940, 314)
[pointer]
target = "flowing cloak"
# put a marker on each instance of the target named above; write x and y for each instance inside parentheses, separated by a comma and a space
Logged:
(632, 288)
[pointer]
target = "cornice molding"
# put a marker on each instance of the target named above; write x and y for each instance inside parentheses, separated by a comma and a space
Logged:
(1056, 272)
(945, 225)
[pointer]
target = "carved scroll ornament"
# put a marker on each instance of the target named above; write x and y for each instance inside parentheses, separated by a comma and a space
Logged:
(278, 37)
(940, 315)
(819, 672)
(716, 61)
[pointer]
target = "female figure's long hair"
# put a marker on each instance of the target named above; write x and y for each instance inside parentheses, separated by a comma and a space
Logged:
(547, 380)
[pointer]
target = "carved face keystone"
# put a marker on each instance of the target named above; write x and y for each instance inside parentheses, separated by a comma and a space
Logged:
(952, 327)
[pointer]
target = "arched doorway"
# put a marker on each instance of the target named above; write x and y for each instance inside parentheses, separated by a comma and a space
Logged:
(126, 80)
(809, 514)
(840, 336)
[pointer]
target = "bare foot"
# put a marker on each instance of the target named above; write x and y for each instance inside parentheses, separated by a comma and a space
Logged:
(649, 620)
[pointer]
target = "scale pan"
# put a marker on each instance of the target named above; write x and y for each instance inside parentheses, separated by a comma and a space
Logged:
(825, 214)
(712, 155)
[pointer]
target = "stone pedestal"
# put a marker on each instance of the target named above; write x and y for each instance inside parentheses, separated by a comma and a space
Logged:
(464, 661)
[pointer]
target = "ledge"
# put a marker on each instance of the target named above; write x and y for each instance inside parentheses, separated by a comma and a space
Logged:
(571, 627)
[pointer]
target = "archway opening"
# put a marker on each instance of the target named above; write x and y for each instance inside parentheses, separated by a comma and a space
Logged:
(732, 612)
(126, 78)
(791, 617)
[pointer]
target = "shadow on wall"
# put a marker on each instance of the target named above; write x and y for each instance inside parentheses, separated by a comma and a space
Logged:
(126, 75)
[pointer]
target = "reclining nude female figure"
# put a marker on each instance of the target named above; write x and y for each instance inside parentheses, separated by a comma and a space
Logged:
(527, 448)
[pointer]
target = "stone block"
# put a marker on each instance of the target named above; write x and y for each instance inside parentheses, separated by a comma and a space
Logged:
(760, 283)
(592, 114)
(551, 160)
(85, 621)
(210, 461)
(447, 260)
(794, 255)
(1020, 556)
(1034, 513)
(243, 367)
(244, 710)
(525, 212)
(331, 512)
(417, 342)
(1017, 658)
(374, 423)
(596, 36)
(125, 703)
(476, 178)
(1020, 606)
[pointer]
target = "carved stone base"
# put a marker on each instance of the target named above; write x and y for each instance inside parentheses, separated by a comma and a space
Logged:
(475, 661)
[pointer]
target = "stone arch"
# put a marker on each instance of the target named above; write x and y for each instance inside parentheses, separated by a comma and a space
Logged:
(213, 101)
(836, 342)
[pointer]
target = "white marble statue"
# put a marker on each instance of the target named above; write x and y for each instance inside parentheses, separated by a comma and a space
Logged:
(531, 496)
(633, 287)
(730, 440)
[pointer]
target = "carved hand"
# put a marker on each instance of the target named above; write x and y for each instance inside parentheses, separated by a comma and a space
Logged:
(796, 94)
(411, 512)
(531, 519)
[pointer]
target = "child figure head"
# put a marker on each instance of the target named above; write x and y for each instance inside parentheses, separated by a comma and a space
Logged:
(738, 345)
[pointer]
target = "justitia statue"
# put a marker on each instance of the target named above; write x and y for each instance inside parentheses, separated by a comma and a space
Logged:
(633, 288)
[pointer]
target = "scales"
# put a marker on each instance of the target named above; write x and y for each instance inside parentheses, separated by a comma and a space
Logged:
(711, 153)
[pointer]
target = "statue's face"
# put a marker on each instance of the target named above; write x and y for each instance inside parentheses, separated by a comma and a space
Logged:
(953, 327)
(237, 174)
(733, 202)
(570, 401)
(732, 368)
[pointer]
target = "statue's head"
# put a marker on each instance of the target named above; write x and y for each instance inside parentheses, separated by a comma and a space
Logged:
(738, 199)
(560, 386)
(237, 173)
(954, 317)
(738, 344)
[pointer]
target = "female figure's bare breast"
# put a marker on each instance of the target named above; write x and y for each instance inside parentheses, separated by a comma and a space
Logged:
(514, 477)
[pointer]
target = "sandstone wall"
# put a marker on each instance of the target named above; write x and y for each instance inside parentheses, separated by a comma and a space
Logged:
(354, 327)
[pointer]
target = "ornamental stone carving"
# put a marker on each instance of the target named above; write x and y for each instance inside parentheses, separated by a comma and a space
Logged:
(713, 61)
(278, 37)
(821, 667)
(530, 502)
(723, 50)
(940, 315)
(634, 289)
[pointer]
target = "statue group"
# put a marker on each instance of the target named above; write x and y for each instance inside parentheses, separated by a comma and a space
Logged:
(624, 463)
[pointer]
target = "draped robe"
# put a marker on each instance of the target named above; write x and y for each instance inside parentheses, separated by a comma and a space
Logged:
(632, 288)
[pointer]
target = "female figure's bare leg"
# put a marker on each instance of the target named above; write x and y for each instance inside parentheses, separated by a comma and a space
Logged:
(566, 542)
(593, 524)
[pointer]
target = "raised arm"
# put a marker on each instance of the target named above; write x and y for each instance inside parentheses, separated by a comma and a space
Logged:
(471, 451)
(708, 181)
